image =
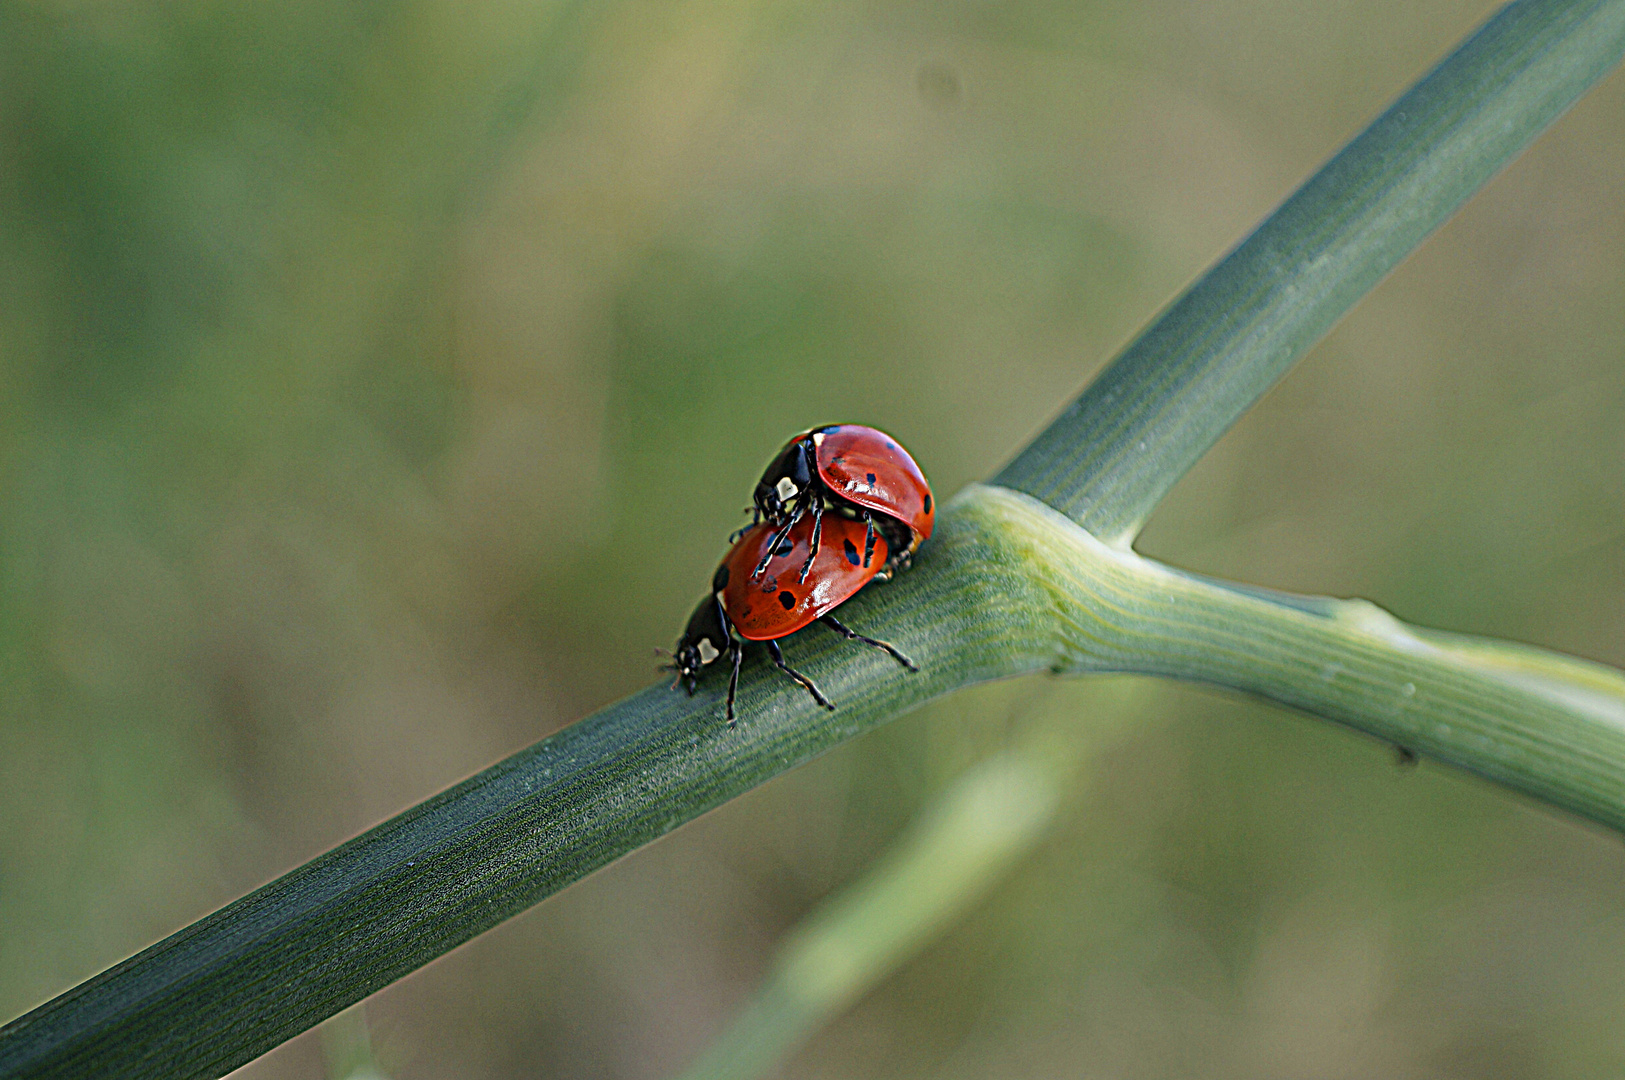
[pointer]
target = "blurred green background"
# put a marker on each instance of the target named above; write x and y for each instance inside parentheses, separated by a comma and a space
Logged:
(379, 382)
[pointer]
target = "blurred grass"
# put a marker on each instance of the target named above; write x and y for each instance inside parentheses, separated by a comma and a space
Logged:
(961, 846)
(347, 1047)
(377, 383)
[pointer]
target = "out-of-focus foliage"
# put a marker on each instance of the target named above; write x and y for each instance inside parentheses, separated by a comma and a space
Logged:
(379, 382)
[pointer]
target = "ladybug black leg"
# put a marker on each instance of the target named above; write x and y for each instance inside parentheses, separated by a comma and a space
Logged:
(755, 520)
(868, 538)
(738, 650)
(852, 635)
(775, 540)
(818, 532)
(778, 659)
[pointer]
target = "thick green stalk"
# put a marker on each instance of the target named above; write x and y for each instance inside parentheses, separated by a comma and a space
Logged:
(1145, 420)
(1541, 723)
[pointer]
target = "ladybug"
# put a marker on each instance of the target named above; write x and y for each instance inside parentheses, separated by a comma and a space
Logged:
(857, 472)
(766, 608)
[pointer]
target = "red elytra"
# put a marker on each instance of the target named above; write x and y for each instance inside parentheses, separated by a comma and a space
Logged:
(775, 605)
(870, 468)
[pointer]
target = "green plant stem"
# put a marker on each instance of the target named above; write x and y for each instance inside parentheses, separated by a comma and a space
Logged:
(1112, 455)
(1006, 587)
(1543, 724)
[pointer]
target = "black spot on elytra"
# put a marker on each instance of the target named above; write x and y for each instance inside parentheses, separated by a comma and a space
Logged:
(719, 580)
(928, 504)
(851, 552)
(785, 546)
(788, 599)
(871, 479)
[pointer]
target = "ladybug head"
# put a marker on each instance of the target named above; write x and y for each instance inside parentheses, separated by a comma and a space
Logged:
(705, 639)
(788, 481)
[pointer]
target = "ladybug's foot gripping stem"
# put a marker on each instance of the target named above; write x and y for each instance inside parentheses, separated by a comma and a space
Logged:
(738, 651)
(852, 635)
(778, 660)
(817, 534)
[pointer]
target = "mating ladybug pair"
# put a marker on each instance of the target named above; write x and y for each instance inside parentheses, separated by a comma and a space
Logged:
(840, 506)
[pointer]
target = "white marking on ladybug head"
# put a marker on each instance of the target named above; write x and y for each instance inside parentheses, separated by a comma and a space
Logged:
(818, 438)
(708, 651)
(786, 488)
